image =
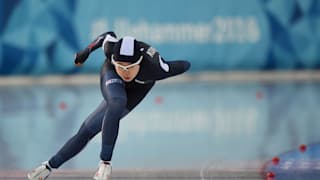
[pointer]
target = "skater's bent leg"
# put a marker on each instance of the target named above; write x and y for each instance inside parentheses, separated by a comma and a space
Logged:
(90, 127)
(116, 98)
(110, 127)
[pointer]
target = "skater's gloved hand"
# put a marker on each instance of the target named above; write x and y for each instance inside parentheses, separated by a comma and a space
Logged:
(81, 56)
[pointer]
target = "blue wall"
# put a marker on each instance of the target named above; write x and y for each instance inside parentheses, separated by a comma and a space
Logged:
(40, 37)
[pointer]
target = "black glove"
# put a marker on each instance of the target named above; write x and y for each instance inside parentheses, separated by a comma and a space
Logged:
(81, 56)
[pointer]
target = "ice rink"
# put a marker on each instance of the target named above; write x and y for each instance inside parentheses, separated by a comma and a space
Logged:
(221, 126)
(141, 175)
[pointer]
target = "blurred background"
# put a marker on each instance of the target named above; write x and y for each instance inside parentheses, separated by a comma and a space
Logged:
(252, 92)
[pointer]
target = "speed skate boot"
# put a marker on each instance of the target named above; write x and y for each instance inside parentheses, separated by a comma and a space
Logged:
(40, 173)
(104, 171)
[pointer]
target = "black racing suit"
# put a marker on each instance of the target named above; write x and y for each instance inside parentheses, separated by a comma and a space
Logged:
(120, 97)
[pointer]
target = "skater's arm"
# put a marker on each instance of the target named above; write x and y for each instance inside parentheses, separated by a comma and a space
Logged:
(166, 69)
(174, 68)
(81, 56)
(159, 68)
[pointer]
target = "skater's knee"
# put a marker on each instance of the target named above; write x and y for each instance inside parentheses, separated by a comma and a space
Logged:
(117, 103)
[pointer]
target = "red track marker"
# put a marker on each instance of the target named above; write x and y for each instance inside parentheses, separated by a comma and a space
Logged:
(259, 95)
(303, 148)
(63, 106)
(270, 175)
(275, 160)
(158, 100)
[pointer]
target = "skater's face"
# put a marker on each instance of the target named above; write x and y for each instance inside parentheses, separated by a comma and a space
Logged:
(127, 71)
